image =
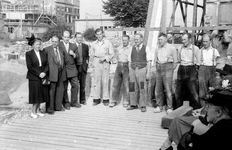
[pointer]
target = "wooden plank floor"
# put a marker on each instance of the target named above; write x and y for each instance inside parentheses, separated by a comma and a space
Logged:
(90, 127)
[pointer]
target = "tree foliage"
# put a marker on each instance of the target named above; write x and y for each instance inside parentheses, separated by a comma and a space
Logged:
(89, 34)
(128, 13)
(55, 30)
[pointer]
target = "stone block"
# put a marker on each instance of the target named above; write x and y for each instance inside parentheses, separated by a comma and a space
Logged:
(4, 98)
(184, 110)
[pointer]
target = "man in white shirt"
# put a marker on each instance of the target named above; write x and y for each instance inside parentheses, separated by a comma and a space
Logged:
(166, 59)
(206, 74)
(71, 55)
(121, 75)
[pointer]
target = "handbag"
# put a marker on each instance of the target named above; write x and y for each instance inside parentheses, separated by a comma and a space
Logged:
(45, 82)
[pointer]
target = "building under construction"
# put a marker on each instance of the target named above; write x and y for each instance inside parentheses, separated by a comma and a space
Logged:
(24, 17)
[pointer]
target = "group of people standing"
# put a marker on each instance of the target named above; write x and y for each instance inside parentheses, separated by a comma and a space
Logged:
(59, 64)
(64, 62)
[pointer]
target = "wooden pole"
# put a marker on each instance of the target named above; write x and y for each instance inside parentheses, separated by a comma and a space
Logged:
(148, 20)
(194, 20)
(186, 12)
(182, 9)
(164, 17)
(172, 22)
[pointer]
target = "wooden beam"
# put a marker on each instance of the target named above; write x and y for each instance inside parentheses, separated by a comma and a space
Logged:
(194, 20)
(172, 22)
(186, 14)
(189, 3)
(173, 28)
(149, 19)
(182, 9)
(164, 17)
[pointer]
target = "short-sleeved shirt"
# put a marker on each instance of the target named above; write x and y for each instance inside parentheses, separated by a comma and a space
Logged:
(185, 55)
(148, 53)
(166, 54)
(208, 56)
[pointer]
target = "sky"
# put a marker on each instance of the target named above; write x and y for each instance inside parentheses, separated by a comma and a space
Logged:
(92, 9)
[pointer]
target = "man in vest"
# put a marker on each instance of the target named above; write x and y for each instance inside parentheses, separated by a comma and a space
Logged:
(207, 70)
(166, 59)
(188, 56)
(102, 53)
(139, 72)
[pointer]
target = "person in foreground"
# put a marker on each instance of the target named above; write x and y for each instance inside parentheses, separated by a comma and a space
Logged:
(37, 66)
(219, 117)
(222, 94)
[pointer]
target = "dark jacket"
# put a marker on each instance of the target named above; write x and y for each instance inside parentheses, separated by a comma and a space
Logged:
(218, 137)
(33, 64)
(85, 57)
(70, 62)
(53, 64)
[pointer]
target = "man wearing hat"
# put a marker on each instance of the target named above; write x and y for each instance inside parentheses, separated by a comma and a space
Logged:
(182, 124)
(219, 117)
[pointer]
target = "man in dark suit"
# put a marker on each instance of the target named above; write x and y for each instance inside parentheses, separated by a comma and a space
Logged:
(71, 53)
(57, 76)
(82, 65)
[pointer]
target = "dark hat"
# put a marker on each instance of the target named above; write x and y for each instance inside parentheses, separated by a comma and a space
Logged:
(227, 70)
(31, 40)
(220, 98)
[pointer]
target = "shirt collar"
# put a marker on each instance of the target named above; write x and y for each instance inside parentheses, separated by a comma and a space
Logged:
(65, 43)
(164, 46)
(210, 47)
(103, 40)
(36, 51)
(190, 46)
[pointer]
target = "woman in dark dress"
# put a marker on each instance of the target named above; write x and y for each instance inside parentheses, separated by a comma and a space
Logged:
(37, 66)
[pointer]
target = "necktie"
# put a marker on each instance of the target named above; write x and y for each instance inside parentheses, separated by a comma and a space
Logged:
(137, 48)
(80, 53)
(57, 56)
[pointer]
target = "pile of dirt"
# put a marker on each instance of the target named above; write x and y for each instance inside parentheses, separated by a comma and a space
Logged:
(12, 75)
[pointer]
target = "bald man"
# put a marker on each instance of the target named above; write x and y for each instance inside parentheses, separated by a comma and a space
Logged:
(71, 53)
(206, 74)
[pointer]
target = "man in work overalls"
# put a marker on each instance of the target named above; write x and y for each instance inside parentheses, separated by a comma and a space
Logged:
(102, 53)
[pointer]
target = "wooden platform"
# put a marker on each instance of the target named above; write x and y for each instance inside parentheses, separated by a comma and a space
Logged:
(90, 127)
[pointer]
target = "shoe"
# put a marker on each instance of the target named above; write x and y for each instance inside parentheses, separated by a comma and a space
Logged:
(112, 104)
(132, 107)
(106, 102)
(125, 105)
(40, 114)
(169, 111)
(77, 105)
(157, 110)
(96, 102)
(83, 103)
(51, 113)
(67, 107)
(143, 109)
(34, 116)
